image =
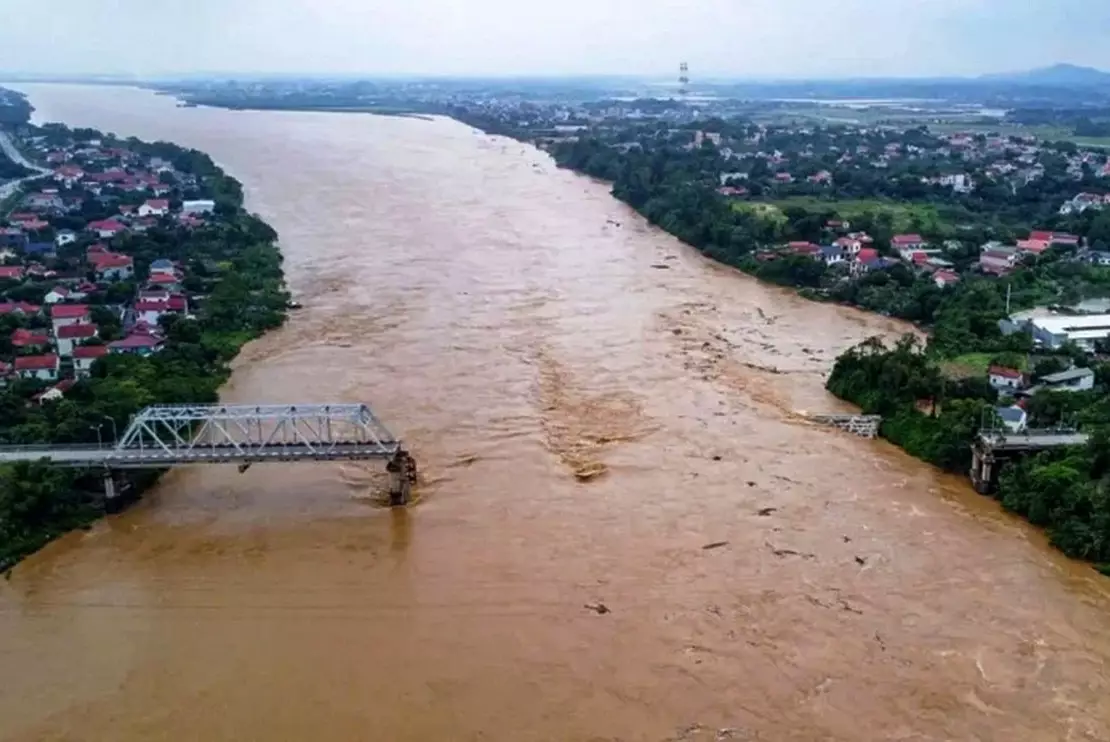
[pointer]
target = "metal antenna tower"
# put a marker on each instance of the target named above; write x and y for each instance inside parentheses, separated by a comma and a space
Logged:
(683, 80)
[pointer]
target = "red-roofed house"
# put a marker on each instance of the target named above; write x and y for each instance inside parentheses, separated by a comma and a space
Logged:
(84, 356)
(150, 311)
(155, 207)
(26, 339)
(1064, 238)
(1005, 379)
(138, 344)
(168, 281)
(19, 307)
(69, 174)
(114, 175)
(945, 278)
(1033, 247)
(803, 248)
(70, 336)
(43, 368)
(30, 225)
(56, 392)
(189, 221)
(906, 245)
(998, 261)
(113, 266)
(64, 315)
(919, 258)
(107, 228)
(11, 272)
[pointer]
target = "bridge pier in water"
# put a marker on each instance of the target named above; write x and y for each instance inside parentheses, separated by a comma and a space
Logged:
(118, 491)
(402, 475)
(984, 470)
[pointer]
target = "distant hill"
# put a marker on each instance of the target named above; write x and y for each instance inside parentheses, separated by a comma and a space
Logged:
(1058, 74)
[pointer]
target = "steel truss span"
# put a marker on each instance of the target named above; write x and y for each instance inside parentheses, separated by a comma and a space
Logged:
(242, 432)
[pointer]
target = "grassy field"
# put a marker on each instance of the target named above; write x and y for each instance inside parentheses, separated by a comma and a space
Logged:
(763, 209)
(902, 215)
(971, 364)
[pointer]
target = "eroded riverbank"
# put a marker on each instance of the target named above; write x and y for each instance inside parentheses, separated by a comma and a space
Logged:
(489, 309)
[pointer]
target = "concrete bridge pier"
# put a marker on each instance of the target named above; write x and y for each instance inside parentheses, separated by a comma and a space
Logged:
(117, 492)
(402, 475)
(984, 470)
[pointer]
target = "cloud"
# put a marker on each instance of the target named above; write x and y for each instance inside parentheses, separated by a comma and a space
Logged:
(749, 38)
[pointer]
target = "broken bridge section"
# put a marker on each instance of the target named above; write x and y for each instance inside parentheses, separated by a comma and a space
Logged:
(865, 426)
(163, 436)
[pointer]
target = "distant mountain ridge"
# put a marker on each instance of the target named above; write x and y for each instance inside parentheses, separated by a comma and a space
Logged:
(1057, 74)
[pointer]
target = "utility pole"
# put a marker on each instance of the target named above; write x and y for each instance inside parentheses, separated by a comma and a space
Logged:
(1009, 290)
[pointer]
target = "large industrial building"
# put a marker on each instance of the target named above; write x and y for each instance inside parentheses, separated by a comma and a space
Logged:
(1085, 331)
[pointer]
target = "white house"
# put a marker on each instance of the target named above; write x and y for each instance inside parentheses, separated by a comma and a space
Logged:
(57, 294)
(113, 267)
(831, 254)
(202, 206)
(64, 315)
(154, 207)
(71, 336)
(1004, 379)
(65, 237)
(43, 368)
(84, 356)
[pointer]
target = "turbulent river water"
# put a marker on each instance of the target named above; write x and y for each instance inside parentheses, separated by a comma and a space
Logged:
(509, 321)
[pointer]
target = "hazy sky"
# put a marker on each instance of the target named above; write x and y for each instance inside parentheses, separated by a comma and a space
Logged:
(743, 38)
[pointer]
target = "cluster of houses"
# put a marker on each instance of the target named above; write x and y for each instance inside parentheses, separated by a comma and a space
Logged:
(1012, 383)
(59, 340)
(996, 259)
(959, 162)
(1083, 201)
(855, 250)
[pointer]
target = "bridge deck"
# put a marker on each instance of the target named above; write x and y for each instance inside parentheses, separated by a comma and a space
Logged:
(1031, 441)
(154, 458)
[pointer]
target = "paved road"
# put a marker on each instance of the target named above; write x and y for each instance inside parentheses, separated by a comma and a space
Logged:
(8, 147)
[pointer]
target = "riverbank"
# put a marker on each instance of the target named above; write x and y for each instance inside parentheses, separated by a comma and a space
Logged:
(506, 334)
(185, 292)
(933, 418)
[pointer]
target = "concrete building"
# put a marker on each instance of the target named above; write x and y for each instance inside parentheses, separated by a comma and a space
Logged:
(1072, 380)
(1085, 331)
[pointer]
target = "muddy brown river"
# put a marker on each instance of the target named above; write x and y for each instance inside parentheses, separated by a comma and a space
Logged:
(506, 320)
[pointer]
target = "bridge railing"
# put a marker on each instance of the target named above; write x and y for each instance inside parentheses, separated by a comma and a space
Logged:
(46, 447)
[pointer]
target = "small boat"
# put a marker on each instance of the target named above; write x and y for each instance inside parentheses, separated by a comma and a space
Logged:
(294, 305)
